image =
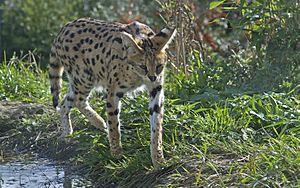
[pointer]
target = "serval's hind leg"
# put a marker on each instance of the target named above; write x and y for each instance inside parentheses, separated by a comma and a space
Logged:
(65, 108)
(81, 102)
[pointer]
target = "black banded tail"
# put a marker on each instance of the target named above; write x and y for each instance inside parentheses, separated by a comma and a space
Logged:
(55, 75)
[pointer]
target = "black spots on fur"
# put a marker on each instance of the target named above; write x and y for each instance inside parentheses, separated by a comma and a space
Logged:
(103, 50)
(70, 99)
(55, 100)
(79, 31)
(90, 42)
(97, 57)
(155, 90)
(96, 46)
(52, 54)
(72, 35)
(116, 74)
(122, 58)
(108, 38)
(156, 108)
(88, 71)
(108, 105)
(75, 48)
(105, 34)
(52, 90)
(151, 111)
(85, 30)
(67, 32)
(76, 56)
(108, 53)
(123, 87)
(103, 30)
(114, 57)
(70, 70)
(87, 39)
(93, 61)
(118, 40)
(88, 61)
(120, 94)
(101, 61)
(68, 41)
(103, 70)
(114, 67)
(82, 41)
(66, 48)
(76, 80)
(101, 44)
(111, 113)
(116, 112)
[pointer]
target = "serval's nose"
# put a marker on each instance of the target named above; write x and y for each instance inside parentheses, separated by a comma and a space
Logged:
(152, 78)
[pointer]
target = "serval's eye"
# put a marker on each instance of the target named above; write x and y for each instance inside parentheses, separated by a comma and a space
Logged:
(144, 68)
(159, 68)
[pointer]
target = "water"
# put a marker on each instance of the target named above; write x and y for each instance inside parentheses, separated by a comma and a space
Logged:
(38, 174)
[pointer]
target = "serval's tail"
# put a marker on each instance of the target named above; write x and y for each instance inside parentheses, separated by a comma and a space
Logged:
(56, 70)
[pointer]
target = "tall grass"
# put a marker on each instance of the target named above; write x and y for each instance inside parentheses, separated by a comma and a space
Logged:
(22, 79)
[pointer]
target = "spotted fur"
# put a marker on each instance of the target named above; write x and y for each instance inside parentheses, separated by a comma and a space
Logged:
(118, 58)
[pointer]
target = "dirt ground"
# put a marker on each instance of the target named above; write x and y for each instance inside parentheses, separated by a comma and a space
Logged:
(13, 112)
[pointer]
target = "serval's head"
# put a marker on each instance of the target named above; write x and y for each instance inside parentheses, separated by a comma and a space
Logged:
(148, 55)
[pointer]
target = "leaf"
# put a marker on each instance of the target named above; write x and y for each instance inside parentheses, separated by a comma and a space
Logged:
(214, 4)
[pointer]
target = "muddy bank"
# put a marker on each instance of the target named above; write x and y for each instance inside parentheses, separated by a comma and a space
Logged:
(30, 153)
(30, 127)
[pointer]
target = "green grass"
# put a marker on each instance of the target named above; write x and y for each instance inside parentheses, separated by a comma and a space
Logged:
(236, 139)
(23, 80)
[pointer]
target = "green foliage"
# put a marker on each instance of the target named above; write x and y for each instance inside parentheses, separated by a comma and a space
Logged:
(23, 80)
(271, 27)
(34, 23)
(29, 25)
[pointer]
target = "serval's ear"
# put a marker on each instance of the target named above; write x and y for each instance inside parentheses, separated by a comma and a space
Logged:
(163, 38)
(132, 45)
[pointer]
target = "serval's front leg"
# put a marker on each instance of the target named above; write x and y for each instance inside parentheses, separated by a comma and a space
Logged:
(114, 134)
(156, 108)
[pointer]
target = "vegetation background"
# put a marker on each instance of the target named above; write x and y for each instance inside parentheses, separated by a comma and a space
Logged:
(233, 105)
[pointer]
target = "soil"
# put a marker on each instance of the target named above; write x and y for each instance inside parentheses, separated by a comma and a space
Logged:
(18, 137)
(13, 112)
